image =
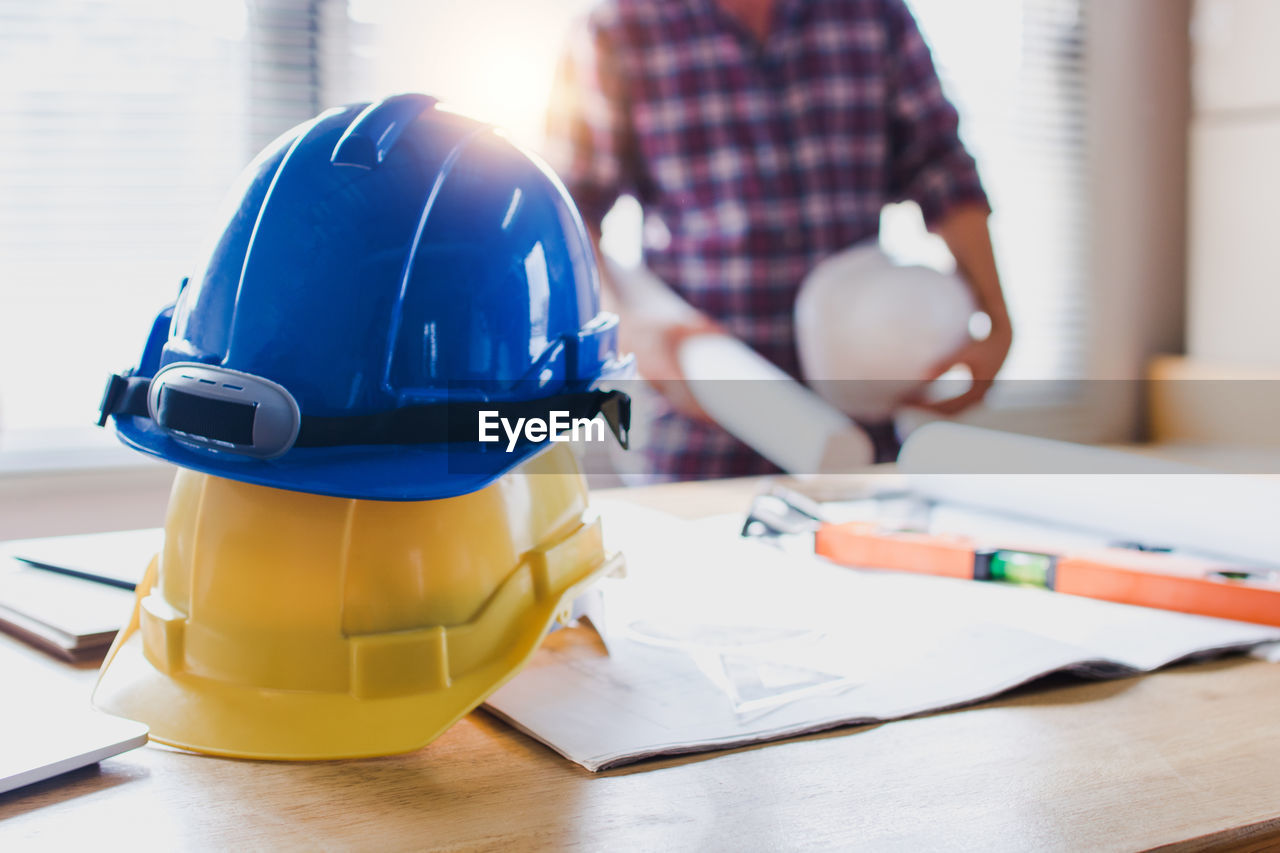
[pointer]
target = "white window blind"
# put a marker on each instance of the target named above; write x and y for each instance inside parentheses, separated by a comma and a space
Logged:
(1015, 69)
(121, 125)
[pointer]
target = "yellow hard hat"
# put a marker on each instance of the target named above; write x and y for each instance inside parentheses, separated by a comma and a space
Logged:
(285, 625)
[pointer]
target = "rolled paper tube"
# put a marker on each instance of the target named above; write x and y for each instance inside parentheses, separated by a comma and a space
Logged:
(770, 412)
(1125, 496)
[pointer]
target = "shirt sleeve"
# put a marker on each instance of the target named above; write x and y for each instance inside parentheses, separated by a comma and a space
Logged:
(589, 138)
(928, 164)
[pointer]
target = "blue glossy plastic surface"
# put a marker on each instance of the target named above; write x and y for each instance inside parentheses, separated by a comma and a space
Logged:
(379, 256)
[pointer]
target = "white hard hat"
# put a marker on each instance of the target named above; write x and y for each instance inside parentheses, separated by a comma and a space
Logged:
(860, 316)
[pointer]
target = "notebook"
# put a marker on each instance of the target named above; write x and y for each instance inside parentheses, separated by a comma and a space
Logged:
(68, 595)
(47, 727)
(118, 558)
(69, 617)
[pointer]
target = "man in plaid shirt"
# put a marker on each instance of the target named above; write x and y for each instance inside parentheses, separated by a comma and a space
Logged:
(761, 136)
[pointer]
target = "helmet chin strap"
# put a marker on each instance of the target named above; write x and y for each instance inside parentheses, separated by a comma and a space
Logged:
(222, 423)
(459, 421)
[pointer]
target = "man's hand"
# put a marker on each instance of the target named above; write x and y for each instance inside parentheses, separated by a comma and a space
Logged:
(656, 343)
(655, 322)
(982, 359)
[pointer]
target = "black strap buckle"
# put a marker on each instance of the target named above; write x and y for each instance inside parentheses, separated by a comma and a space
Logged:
(616, 408)
(124, 395)
(111, 397)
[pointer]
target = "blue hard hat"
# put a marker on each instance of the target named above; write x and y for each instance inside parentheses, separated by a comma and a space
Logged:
(384, 272)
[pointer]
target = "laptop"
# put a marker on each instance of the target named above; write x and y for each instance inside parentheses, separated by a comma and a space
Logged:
(46, 725)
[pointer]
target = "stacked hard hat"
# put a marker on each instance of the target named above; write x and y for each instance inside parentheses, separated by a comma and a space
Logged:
(868, 331)
(347, 567)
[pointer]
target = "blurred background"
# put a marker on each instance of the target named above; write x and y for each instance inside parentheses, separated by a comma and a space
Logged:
(1126, 145)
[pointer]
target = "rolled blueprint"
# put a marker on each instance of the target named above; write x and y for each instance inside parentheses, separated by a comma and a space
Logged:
(756, 402)
(767, 410)
(1126, 496)
(648, 293)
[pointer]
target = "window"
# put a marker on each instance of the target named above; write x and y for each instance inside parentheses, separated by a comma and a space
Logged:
(1016, 74)
(121, 125)
(122, 122)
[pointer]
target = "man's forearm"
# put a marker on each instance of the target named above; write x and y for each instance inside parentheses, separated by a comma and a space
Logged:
(967, 236)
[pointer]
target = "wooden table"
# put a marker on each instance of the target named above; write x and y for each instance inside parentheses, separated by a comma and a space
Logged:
(1189, 757)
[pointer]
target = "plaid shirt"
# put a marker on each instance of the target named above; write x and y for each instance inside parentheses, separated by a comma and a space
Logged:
(752, 161)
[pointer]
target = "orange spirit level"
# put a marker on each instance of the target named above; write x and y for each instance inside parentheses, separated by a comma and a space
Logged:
(1149, 579)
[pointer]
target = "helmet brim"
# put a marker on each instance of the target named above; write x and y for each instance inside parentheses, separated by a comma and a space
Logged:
(242, 721)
